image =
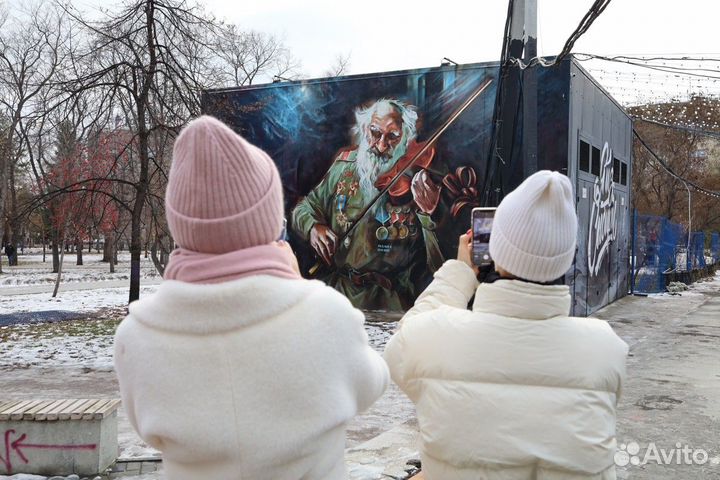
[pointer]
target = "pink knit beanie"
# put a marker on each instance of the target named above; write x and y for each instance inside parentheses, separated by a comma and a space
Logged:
(223, 194)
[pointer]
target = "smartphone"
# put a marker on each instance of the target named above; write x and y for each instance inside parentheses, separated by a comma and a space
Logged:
(482, 219)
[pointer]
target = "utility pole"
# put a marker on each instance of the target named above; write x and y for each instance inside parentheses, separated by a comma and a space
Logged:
(529, 90)
(516, 105)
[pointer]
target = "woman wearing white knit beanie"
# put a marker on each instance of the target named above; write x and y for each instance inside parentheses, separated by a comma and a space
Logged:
(514, 388)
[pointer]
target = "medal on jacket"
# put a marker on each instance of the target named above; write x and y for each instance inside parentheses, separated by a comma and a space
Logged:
(403, 229)
(382, 216)
(340, 216)
(382, 233)
(354, 186)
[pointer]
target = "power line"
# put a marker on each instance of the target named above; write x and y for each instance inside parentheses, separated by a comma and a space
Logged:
(666, 69)
(592, 14)
(595, 10)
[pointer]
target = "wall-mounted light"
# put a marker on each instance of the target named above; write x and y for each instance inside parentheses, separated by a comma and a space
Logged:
(446, 61)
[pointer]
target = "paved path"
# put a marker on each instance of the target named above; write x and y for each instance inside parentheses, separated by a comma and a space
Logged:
(65, 287)
(672, 393)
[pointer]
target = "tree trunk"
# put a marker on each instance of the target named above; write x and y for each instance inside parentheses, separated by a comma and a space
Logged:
(79, 249)
(43, 250)
(113, 257)
(159, 262)
(136, 243)
(59, 272)
(55, 253)
(108, 248)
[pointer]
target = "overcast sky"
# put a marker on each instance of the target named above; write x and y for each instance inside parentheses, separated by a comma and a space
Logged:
(386, 35)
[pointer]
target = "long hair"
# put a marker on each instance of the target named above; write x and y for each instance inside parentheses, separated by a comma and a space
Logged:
(369, 166)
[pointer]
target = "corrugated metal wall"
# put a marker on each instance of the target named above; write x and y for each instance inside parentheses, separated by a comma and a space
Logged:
(600, 159)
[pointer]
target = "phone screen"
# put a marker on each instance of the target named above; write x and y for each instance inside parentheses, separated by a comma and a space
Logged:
(482, 220)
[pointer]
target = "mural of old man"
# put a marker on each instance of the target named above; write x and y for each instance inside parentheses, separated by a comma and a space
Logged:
(378, 263)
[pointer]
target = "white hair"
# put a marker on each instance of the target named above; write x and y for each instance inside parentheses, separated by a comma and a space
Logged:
(370, 166)
(382, 107)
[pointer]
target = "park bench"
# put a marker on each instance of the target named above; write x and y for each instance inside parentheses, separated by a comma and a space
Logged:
(58, 437)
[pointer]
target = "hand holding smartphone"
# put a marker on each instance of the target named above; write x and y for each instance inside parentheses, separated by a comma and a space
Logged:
(481, 220)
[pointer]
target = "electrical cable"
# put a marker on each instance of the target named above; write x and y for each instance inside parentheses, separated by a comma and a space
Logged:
(592, 14)
(595, 10)
(666, 69)
(491, 168)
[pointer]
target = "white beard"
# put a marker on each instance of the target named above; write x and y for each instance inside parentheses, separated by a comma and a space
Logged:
(370, 166)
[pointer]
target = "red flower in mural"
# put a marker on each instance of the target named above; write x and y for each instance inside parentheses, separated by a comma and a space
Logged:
(462, 188)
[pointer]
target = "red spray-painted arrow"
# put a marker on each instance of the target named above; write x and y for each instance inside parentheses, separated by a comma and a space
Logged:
(18, 445)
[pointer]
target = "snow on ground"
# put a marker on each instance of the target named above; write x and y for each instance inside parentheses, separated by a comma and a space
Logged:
(695, 289)
(84, 344)
(31, 269)
(73, 301)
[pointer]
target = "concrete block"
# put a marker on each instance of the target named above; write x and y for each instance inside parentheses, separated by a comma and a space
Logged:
(58, 447)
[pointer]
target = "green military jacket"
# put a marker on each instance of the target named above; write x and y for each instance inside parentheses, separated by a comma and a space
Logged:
(397, 241)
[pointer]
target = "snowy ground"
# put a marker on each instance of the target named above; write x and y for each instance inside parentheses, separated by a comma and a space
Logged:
(32, 274)
(31, 269)
(71, 301)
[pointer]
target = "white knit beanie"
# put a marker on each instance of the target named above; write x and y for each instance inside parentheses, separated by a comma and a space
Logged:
(535, 226)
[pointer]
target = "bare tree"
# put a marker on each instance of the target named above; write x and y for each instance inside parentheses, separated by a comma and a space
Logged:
(340, 66)
(150, 57)
(685, 151)
(245, 56)
(31, 52)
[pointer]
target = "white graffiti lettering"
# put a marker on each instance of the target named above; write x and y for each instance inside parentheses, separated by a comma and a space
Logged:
(603, 215)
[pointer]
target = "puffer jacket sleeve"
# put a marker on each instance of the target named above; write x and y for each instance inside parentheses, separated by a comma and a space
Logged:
(453, 286)
(395, 357)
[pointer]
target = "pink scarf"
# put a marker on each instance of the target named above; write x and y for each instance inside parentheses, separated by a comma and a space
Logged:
(194, 267)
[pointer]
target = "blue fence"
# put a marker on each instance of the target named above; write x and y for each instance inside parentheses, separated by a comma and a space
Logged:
(661, 248)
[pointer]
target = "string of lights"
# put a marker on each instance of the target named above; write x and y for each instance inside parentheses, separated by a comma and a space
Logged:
(670, 171)
(679, 127)
(584, 57)
(637, 81)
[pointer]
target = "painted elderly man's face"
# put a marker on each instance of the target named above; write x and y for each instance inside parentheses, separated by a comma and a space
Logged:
(384, 133)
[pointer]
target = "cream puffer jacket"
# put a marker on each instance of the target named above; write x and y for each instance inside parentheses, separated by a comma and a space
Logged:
(250, 379)
(514, 389)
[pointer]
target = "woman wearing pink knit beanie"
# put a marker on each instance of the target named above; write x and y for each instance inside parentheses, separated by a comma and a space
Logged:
(237, 367)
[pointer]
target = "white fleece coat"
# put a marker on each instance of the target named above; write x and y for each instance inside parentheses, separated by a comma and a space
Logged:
(514, 389)
(250, 379)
